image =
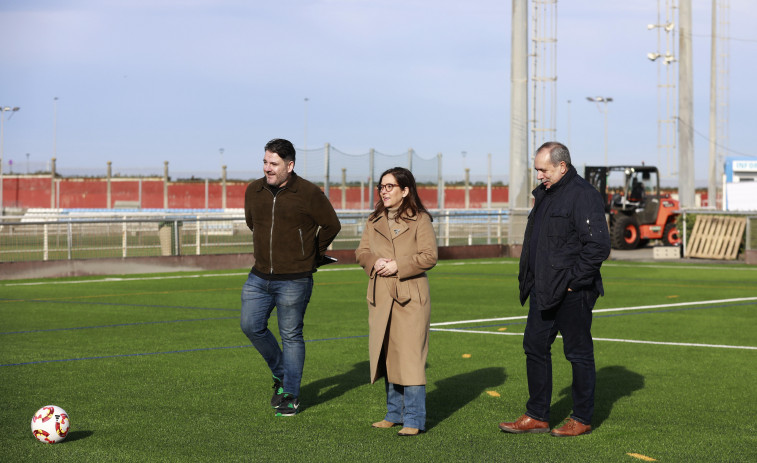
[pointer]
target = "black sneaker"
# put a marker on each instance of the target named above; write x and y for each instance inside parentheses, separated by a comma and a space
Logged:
(278, 392)
(288, 406)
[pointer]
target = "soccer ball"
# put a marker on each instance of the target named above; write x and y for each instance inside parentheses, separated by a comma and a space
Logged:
(50, 424)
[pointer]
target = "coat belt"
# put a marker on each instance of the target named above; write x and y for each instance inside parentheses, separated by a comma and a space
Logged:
(398, 290)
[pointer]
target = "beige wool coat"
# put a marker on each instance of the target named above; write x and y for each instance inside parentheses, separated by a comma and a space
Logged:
(399, 307)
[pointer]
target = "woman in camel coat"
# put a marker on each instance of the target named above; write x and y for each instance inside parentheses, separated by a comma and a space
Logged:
(397, 247)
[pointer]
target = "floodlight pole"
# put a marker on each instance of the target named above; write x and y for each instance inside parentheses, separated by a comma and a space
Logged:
(686, 192)
(570, 145)
(518, 191)
(3, 110)
(55, 126)
(605, 100)
(712, 184)
(305, 139)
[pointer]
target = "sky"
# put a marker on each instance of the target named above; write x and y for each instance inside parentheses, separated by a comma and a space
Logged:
(139, 82)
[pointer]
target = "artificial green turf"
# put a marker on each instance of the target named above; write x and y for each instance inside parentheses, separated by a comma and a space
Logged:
(157, 369)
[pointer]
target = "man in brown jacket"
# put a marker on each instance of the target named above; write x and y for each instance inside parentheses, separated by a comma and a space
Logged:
(292, 224)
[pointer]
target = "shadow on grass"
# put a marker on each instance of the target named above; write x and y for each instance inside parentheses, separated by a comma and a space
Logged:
(613, 383)
(77, 435)
(326, 389)
(453, 393)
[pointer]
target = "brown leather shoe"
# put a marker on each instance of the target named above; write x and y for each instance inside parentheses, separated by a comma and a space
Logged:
(571, 428)
(409, 432)
(525, 424)
(383, 424)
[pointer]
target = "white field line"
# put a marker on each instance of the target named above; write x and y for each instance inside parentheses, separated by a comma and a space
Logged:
(341, 269)
(168, 277)
(632, 341)
(443, 264)
(211, 275)
(616, 263)
(619, 309)
(681, 267)
(117, 279)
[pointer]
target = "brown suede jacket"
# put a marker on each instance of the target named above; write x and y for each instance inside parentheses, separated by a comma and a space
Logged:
(290, 228)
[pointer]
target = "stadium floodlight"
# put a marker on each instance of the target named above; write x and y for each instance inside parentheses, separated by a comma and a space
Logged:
(668, 27)
(602, 109)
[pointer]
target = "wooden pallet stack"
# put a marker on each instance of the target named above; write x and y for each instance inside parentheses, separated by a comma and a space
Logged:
(716, 237)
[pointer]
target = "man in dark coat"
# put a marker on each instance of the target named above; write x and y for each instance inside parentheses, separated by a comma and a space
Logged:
(565, 243)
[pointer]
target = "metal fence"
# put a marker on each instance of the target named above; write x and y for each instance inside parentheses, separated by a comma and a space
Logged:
(59, 185)
(199, 233)
(92, 238)
(325, 164)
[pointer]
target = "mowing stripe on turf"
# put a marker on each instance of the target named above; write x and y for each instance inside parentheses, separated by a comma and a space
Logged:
(137, 354)
(115, 325)
(233, 318)
(120, 279)
(448, 330)
(326, 339)
(117, 304)
(183, 351)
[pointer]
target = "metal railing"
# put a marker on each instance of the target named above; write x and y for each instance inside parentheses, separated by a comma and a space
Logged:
(67, 237)
(197, 234)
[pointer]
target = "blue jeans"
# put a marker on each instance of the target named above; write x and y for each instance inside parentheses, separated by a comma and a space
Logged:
(572, 318)
(290, 298)
(406, 405)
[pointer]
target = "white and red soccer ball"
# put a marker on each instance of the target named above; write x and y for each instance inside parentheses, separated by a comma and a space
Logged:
(50, 424)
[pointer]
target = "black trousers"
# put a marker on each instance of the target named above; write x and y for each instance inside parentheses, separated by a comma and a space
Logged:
(572, 319)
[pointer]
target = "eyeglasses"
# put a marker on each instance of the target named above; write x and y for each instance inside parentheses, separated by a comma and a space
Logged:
(386, 186)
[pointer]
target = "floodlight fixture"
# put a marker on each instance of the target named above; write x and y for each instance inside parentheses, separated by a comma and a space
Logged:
(668, 27)
(605, 100)
(599, 99)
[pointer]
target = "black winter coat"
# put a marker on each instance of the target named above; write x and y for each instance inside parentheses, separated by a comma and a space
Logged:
(573, 242)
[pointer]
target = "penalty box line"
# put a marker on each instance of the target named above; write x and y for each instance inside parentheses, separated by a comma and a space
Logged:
(434, 326)
(619, 309)
(632, 341)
